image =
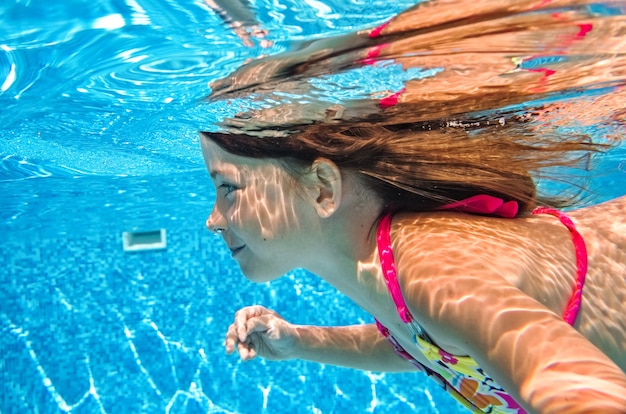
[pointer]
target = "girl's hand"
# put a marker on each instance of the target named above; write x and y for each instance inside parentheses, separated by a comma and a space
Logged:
(258, 331)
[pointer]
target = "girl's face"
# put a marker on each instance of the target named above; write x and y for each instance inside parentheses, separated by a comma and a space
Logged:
(258, 212)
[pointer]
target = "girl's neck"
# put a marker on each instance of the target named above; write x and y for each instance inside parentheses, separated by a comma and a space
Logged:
(349, 257)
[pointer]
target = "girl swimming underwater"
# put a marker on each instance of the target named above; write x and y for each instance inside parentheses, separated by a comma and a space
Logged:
(476, 302)
(434, 225)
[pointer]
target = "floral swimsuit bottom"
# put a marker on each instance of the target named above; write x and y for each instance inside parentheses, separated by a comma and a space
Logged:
(460, 375)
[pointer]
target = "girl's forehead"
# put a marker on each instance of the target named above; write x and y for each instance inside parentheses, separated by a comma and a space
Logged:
(214, 155)
(221, 162)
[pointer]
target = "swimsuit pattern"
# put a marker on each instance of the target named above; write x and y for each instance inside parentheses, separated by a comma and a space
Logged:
(461, 376)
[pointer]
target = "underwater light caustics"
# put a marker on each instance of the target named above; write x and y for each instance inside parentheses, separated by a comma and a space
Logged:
(480, 61)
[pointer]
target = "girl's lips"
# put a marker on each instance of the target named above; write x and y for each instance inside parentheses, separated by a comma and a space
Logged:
(234, 251)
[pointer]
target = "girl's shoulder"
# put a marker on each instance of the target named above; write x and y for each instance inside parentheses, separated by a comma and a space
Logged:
(460, 233)
(444, 257)
(534, 253)
(435, 242)
(603, 215)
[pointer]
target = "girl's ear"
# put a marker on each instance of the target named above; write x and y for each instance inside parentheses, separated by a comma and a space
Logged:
(325, 186)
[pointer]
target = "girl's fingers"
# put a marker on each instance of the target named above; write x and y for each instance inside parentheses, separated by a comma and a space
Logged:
(246, 351)
(257, 324)
(231, 339)
(243, 317)
(250, 325)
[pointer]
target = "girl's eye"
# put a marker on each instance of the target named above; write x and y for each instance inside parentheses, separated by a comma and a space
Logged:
(229, 188)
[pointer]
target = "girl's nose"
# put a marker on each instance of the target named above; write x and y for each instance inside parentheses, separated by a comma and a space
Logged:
(213, 224)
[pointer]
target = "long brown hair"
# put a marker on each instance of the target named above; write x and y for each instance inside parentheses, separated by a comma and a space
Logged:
(454, 133)
(420, 167)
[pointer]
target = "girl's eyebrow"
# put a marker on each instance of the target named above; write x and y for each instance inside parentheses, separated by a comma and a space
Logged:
(223, 175)
(215, 173)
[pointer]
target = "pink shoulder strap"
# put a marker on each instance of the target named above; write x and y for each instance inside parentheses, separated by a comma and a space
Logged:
(388, 266)
(573, 306)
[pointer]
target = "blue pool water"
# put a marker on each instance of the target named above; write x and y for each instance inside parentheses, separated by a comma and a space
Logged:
(99, 118)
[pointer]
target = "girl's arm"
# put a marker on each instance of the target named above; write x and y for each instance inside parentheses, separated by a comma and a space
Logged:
(258, 331)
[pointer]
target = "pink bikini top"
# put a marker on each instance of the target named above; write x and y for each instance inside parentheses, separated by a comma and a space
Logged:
(459, 375)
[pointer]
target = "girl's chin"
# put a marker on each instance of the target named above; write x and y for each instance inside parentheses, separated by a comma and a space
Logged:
(257, 277)
(261, 279)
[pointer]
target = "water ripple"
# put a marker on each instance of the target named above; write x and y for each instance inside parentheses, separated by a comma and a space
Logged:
(12, 169)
